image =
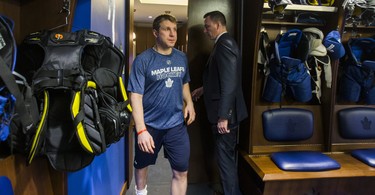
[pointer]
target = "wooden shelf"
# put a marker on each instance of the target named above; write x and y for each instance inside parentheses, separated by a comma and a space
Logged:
(282, 23)
(307, 8)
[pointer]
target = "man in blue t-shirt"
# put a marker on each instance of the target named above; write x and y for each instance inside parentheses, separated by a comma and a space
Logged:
(159, 86)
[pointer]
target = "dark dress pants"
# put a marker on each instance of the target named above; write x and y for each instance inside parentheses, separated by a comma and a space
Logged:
(225, 149)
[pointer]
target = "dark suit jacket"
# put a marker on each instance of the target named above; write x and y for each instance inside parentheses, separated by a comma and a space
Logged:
(222, 83)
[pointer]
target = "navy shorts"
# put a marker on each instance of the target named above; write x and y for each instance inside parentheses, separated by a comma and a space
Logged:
(176, 145)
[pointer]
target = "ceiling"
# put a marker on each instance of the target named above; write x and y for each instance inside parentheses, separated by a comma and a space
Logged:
(142, 11)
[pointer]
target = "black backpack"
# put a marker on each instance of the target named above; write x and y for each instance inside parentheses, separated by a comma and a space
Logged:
(17, 105)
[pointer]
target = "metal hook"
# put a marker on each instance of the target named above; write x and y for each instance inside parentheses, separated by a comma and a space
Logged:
(64, 9)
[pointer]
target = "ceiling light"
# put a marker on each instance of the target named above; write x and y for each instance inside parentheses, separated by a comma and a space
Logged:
(149, 17)
(166, 2)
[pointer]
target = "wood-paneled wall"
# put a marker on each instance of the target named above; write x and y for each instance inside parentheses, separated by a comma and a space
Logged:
(144, 39)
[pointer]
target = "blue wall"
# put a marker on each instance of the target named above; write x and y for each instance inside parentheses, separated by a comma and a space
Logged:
(82, 14)
(106, 174)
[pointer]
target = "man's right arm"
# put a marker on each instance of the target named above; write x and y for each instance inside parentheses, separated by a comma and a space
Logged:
(138, 116)
(145, 141)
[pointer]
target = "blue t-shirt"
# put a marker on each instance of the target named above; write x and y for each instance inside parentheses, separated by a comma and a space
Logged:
(160, 79)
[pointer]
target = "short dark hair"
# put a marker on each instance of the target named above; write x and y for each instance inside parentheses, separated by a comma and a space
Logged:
(161, 18)
(216, 16)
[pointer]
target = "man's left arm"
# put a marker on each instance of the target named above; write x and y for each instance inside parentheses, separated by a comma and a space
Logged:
(189, 112)
(227, 66)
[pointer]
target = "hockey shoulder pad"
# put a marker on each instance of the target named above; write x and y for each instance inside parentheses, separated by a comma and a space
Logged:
(361, 49)
(69, 130)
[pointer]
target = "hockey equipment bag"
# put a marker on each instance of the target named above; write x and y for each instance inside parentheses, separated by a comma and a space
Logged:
(357, 81)
(15, 104)
(288, 73)
(77, 79)
(7, 63)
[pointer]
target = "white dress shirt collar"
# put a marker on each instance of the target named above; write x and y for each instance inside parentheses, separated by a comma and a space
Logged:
(217, 38)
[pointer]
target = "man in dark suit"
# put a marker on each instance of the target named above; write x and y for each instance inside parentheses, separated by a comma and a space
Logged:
(223, 97)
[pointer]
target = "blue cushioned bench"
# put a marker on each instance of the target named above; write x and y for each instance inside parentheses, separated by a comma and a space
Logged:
(359, 123)
(294, 124)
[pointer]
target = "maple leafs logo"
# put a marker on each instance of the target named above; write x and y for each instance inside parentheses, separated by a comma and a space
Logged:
(169, 83)
(366, 123)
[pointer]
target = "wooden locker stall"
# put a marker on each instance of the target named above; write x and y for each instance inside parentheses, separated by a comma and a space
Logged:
(257, 143)
(258, 173)
(337, 142)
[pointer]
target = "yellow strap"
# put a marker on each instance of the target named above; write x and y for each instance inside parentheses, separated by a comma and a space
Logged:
(123, 92)
(91, 84)
(82, 137)
(39, 129)
(75, 110)
(329, 3)
(324, 3)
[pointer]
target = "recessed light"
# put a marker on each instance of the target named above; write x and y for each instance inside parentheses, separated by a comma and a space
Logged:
(149, 17)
